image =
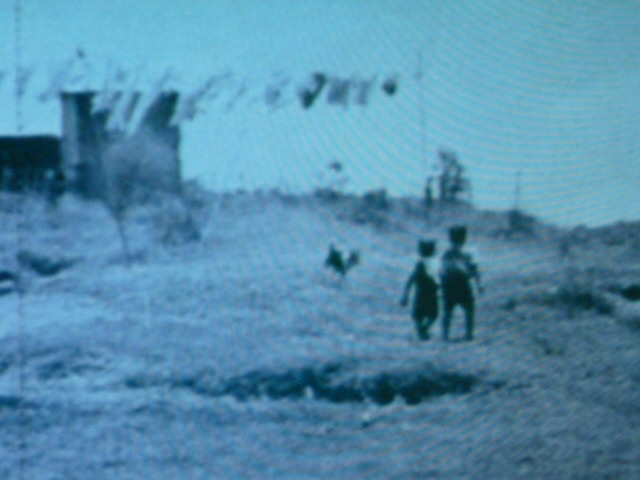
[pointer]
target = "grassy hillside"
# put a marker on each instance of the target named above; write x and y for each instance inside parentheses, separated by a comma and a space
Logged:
(239, 356)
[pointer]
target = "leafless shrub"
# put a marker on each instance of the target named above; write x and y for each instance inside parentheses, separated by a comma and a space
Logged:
(452, 181)
(135, 168)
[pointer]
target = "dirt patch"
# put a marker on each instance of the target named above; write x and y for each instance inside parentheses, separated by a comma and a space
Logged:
(632, 292)
(333, 383)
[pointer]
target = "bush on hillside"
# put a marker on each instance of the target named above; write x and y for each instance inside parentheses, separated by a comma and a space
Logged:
(376, 199)
(520, 222)
(371, 209)
(516, 224)
(576, 291)
(327, 194)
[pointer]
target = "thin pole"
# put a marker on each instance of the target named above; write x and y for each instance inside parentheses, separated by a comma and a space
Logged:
(518, 189)
(423, 128)
(18, 74)
(19, 90)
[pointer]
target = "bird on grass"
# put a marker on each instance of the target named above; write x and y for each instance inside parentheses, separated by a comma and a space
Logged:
(336, 261)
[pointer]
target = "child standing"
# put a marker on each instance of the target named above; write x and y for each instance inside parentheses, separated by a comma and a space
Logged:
(458, 269)
(425, 299)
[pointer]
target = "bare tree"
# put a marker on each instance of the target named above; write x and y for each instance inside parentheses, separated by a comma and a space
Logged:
(453, 183)
(133, 168)
(120, 196)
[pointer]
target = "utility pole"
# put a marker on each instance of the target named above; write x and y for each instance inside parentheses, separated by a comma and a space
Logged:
(420, 78)
(517, 190)
(18, 92)
(18, 71)
(428, 189)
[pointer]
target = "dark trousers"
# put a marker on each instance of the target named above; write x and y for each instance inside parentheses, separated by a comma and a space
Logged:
(425, 313)
(469, 315)
(423, 324)
(456, 290)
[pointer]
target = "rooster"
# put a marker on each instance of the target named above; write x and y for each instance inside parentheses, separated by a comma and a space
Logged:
(335, 260)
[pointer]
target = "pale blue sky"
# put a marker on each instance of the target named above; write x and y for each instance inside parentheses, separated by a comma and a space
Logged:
(549, 87)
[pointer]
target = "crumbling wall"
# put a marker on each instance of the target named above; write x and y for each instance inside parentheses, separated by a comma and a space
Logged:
(84, 136)
(98, 151)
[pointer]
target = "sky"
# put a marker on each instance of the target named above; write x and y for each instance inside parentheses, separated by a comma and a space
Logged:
(547, 88)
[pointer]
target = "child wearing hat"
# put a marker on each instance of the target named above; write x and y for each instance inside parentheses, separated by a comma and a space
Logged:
(457, 271)
(425, 299)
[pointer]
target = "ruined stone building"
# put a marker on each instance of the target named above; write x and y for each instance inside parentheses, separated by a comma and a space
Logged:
(129, 136)
(98, 143)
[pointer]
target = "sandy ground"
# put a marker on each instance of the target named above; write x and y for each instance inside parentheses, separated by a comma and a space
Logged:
(239, 356)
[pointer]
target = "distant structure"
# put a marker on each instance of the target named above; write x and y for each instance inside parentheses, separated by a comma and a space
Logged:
(29, 162)
(94, 147)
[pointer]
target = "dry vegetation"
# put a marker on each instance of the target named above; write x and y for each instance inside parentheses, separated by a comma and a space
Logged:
(233, 354)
